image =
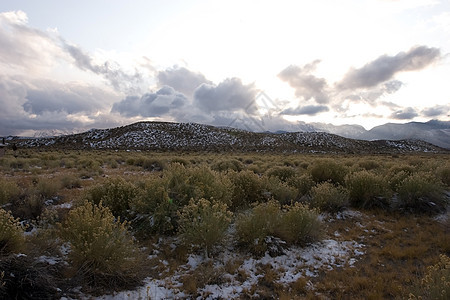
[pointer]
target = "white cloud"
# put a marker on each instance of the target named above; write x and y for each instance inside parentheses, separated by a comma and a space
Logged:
(25, 50)
(229, 95)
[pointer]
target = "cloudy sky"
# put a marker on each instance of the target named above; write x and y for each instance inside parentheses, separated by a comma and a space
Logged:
(68, 66)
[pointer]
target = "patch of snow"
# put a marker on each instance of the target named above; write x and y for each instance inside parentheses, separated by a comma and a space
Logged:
(28, 233)
(47, 259)
(443, 218)
(349, 214)
(64, 205)
(65, 249)
(297, 262)
(153, 289)
(194, 261)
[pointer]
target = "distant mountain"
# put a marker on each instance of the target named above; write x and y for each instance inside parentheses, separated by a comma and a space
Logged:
(52, 133)
(350, 131)
(434, 132)
(162, 136)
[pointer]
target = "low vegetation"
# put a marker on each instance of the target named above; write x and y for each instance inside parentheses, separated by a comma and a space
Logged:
(102, 250)
(95, 222)
(11, 234)
(328, 198)
(203, 223)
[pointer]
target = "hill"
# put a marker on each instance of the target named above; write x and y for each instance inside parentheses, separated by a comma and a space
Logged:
(164, 136)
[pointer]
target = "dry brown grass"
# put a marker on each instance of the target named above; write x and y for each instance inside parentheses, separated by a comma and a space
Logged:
(204, 274)
(398, 250)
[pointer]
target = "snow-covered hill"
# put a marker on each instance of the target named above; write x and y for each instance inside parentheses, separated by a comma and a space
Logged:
(162, 136)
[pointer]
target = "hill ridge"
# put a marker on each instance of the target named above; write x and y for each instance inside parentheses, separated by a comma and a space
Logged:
(171, 136)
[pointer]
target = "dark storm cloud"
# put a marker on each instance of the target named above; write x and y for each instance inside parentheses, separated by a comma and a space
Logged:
(306, 85)
(404, 114)
(14, 120)
(156, 104)
(44, 105)
(438, 110)
(229, 95)
(182, 79)
(111, 71)
(46, 121)
(385, 67)
(306, 110)
(69, 98)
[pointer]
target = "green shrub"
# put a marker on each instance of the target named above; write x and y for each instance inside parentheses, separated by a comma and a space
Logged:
(19, 163)
(226, 165)
(397, 173)
(47, 188)
(130, 161)
(248, 161)
(421, 192)
(369, 165)
(295, 224)
(180, 161)
(197, 182)
(328, 170)
(282, 173)
(179, 188)
(11, 234)
(210, 185)
(101, 250)
(401, 167)
(204, 223)
(115, 193)
(327, 197)
(70, 182)
(90, 165)
(443, 174)
(153, 164)
(280, 190)
(9, 191)
(67, 163)
(302, 184)
(436, 282)
(247, 189)
(113, 164)
(30, 206)
(154, 210)
(299, 224)
(253, 227)
(396, 179)
(367, 190)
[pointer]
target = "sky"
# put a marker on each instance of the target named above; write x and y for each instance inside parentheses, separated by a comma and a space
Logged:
(69, 66)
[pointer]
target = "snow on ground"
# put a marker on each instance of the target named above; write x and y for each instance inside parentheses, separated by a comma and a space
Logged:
(295, 263)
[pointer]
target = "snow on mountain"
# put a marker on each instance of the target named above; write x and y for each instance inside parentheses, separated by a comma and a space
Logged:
(162, 136)
(434, 132)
